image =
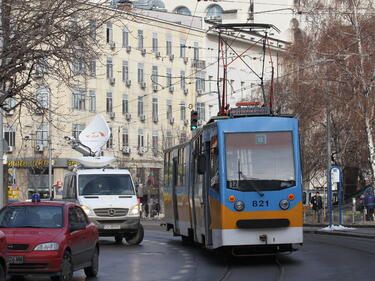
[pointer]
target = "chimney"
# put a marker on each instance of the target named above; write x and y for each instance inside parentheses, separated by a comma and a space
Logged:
(125, 5)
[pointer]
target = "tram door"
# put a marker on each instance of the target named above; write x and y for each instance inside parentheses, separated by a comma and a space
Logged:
(174, 194)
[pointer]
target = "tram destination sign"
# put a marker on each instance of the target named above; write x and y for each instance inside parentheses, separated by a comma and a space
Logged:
(249, 111)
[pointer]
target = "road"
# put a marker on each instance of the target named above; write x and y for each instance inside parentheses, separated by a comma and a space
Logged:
(163, 257)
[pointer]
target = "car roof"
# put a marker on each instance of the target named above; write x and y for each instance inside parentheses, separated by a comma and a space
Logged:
(42, 203)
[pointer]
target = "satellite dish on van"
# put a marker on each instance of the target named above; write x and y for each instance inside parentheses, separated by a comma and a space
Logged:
(95, 162)
(96, 134)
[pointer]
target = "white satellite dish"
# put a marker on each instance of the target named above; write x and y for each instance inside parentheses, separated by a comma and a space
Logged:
(96, 134)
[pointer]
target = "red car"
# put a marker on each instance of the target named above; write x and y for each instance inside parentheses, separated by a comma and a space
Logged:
(53, 238)
(3, 257)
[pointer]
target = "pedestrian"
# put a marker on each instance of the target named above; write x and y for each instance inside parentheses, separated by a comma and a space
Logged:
(317, 205)
(146, 210)
(369, 203)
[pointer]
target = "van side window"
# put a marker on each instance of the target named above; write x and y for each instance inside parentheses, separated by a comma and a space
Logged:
(70, 187)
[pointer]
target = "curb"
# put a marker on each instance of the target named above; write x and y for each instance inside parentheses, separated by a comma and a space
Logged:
(340, 233)
(346, 225)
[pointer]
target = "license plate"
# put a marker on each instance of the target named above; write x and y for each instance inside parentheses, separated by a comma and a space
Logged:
(111, 226)
(15, 259)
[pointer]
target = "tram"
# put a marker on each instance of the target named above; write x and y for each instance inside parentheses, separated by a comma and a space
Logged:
(237, 184)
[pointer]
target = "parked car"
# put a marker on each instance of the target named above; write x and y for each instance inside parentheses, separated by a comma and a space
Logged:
(51, 238)
(3, 257)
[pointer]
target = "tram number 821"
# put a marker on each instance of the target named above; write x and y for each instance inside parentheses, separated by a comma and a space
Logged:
(260, 203)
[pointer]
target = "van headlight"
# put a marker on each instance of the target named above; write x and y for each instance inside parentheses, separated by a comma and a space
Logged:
(51, 246)
(87, 210)
(134, 211)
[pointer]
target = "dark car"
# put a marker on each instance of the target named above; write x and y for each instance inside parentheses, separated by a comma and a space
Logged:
(51, 238)
(3, 257)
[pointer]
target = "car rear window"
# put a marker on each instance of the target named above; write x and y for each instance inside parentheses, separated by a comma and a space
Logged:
(27, 216)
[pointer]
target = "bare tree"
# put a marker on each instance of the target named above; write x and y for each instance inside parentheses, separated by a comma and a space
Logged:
(334, 68)
(46, 38)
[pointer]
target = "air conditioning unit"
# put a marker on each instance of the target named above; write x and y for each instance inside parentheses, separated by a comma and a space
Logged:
(142, 150)
(143, 85)
(39, 148)
(155, 87)
(38, 74)
(171, 89)
(155, 119)
(9, 113)
(157, 54)
(112, 45)
(186, 122)
(171, 120)
(142, 117)
(199, 92)
(171, 56)
(128, 83)
(128, 116)
(112, 80)
(186, 91)
(112, 115)
(200, 122)
(143, 52)
(186, 59)
(128, 49)
(10, 149)
(126, 149)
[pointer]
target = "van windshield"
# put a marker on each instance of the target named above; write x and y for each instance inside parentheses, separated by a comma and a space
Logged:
(109, 184)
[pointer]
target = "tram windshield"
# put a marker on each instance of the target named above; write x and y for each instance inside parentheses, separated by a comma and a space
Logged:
(260, 161)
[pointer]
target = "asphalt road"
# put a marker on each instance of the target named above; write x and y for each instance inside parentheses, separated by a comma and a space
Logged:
(164, 257)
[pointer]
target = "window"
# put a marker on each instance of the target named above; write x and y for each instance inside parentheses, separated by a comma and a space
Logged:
(10, 135)
(110, 140)
(92, 68)
(42, 135)
(154, 77)
(77, 129)
(92, 101)
(125, 37)
(182, 80)
(183, 137)
(210, 84)
(42, 98)
(155, 139)
(125, 137)
(242, 89)
(125, 104)
(109, 33)
(79, 99)
(169, 109)
(196, 51)
(199, 81)
(251, 10)
(140, 72)
(169, 77)
(125, 71)
(214, 12)
(169, 45)
(155, 112)
(169, 139)
(140, 39)
(109, 68)
(231, 84)
(201, 110)
(140, 105)
(182, 48)
(140, 138)
(92, 26)
(183, 11)
(78, 66)
(109, 103)
(154, 42)
(182, 110)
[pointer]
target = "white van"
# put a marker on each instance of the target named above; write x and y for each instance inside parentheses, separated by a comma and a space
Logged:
(109, 199)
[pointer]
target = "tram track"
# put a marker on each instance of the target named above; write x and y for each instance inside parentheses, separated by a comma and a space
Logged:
(281, 269)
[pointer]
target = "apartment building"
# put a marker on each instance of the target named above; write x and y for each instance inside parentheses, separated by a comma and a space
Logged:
(144, 84)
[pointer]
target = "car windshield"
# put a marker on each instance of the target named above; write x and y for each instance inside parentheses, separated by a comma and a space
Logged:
(27, 216)
(260, 161)
(109, 184)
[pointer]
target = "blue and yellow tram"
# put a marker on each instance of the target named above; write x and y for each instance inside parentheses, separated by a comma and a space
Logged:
(237, 183)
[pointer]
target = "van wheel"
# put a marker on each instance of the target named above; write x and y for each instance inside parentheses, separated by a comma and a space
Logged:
(118, 239)
(136, 238)
(92, 270)
(2, 273)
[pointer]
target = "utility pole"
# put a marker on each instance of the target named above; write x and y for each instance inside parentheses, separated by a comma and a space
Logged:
(49, 145)
(3, 195)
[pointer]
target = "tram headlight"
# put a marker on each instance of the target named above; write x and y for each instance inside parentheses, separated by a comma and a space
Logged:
(284, 204)
(239, 205)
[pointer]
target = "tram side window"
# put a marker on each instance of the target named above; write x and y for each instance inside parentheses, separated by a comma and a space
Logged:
(167, 169)
(181, 167)
(214, 164)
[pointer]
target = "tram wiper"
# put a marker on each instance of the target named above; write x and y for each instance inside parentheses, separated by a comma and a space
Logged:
(252, 185)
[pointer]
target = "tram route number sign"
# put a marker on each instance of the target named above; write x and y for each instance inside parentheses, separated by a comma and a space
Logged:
(249, 111)
(260, 203)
